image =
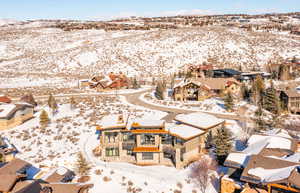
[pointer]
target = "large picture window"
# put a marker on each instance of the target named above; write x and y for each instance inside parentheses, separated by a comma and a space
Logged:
(110, 152)
(148, 139)
(147, 156)
(111, 137)
(128, 137)
(166, 139)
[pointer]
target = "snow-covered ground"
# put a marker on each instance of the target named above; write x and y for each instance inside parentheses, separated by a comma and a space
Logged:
(73, 130)
(37, 48)
(213, 105)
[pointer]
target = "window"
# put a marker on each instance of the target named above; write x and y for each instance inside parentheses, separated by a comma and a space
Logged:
(179, 141)
(166, 139)
(147, 139)
(128, 137)
(111, 137)
(129, 152)
(147, 156)
(110, 152)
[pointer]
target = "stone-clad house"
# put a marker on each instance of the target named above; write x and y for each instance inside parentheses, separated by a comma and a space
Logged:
(200, 89)
(12, 115)
(151, 142)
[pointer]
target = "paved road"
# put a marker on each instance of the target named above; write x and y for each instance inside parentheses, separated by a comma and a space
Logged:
(134, 98)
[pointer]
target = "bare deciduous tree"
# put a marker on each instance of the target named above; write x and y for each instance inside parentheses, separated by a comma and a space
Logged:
(200, 172)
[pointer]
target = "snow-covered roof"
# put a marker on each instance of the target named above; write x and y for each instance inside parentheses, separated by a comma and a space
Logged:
(5, 109)
(199, 120)
(184, 131)
(147, 123)
(271, 175)
(257, 143)
(113, 121)
(180, 83)
(237, 159)
(60, 171)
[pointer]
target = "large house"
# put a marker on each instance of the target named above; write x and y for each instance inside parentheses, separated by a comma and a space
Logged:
(12, 115)
(150, 142)
(19, 176)
(226, 73)
(4, 99)
(270, 162)
(111, 81)
(200, 89)
(290, 98)
(201, 71)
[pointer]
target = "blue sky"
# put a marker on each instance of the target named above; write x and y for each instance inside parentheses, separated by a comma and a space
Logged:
(106, 9)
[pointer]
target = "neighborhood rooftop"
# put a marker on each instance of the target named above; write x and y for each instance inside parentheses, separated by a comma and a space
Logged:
(199, 120)
(273, 145)
(184, 131)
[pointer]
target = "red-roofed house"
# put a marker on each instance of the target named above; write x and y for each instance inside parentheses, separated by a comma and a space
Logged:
(4, 99)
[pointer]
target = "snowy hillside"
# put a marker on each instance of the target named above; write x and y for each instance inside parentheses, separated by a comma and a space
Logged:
(36, 48)
(7, 21)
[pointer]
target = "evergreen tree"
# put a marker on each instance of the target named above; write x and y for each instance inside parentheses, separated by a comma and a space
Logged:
(260, 124)
(44, 119)
(172, 83)
(72, 102)
(153, 81)
(179, 74)
(222, 144)
(82, 166)
(284, 73)
(135, 84)
(209, 141)
(228, 101)
(245, 92)
(271, 100)
(2, 157)
(164, 84)
(159, 91)
(52, 103)
(258, 89)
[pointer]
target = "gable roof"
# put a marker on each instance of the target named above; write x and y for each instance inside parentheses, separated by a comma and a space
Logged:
(293, 91)
(267, 170)
(35, 186)
(4, 99)
(13, 167)
(8, 110)
(8, 181)
(279, 145)
(58, 175)
(209, 83)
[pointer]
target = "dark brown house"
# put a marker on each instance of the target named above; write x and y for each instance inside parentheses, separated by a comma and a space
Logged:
(290, 98)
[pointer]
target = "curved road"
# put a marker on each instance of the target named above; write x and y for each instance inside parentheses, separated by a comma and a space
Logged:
(134, 98)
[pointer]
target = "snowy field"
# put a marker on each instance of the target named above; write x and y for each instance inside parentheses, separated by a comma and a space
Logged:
(37, 48)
